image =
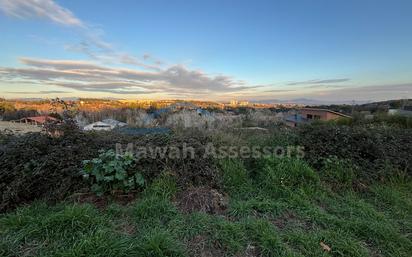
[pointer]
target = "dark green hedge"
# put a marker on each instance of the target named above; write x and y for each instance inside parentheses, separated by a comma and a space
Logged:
(36, 166)
(379, 152)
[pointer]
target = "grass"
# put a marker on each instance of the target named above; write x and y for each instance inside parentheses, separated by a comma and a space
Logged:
(276, 208)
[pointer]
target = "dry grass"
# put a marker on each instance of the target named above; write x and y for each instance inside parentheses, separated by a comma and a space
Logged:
(18, 128)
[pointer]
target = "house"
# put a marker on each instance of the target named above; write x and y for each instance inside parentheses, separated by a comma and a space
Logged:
(321, 114)
(307, 115)
(37, 120)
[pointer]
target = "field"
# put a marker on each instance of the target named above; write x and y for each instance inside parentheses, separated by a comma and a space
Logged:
(350, 195)
(19, 128)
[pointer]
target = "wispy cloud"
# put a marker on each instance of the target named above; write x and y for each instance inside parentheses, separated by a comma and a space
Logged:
(46, 9)
(279, 90)
(91, 77)
(318, 81)
(46, 92)
(367, 92)
(93, 45)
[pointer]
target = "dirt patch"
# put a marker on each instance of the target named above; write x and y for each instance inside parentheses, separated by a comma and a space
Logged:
(202, 199)
(198, 246)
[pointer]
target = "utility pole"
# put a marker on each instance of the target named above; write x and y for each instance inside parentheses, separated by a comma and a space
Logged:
(353, 106)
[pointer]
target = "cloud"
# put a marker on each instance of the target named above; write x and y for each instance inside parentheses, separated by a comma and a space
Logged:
(92, 77)
(46, 9)
(279, 90)
(317, 81)
(38, 92)
(59, 64)
(92, 45)
(325, 86)
(368, 92)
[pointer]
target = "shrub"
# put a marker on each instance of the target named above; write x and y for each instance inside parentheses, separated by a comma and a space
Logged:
(380, 152)
(111, 172)
(37, 166)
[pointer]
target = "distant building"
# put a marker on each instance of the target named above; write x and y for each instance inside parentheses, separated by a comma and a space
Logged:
(243, 103)
(107, 124)
(307, 115)
(98, 126)
(37, 120)
(234, 102)
(295, 120)
(402, 112)
(321, 114)
(114, 122)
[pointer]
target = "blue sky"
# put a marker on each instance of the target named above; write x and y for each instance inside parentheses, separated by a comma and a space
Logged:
(216, 50)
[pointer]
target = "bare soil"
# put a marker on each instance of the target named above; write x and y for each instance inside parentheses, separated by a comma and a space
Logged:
(18, 128)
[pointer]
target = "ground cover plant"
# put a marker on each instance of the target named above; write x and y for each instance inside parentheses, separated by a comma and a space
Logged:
(111, 171)
(263, 206)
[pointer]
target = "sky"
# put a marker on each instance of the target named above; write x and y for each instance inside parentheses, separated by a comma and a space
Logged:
(352, 50)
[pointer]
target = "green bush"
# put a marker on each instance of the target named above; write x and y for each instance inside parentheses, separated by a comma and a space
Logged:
(380, 152)
(111, 171)
(37, 166)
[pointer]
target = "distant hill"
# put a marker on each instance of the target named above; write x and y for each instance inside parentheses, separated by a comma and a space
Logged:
(305, 101)
(381, 106)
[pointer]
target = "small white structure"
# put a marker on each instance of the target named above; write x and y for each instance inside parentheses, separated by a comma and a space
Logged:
(98, 126)
(114, 122)
(401, 112)
(107, 124)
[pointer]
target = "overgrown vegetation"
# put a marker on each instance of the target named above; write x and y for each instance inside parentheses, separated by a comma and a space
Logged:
(38, 166)
(349, 196)
(376, 152)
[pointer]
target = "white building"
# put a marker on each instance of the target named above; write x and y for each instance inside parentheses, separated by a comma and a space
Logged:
(99, 126)
(107, 124)
(115, 123)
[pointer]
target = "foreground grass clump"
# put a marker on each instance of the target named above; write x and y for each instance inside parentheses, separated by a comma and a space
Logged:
(63, 230)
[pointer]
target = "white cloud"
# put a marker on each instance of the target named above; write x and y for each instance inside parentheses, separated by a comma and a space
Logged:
(46, 9)
(92, 77)
(318, 81)
(93, 45)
